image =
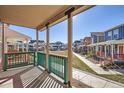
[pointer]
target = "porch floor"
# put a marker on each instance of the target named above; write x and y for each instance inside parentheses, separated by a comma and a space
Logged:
(28, 77)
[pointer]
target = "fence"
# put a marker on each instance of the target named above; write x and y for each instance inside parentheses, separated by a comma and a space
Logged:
(13, 60)
(41, 59)
(59, 66)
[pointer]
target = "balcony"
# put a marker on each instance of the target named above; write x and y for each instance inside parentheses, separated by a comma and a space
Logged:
(26, 70)
(52, 65)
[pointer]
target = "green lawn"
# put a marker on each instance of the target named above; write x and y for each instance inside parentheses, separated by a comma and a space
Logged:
(117, 77)
(77, 63)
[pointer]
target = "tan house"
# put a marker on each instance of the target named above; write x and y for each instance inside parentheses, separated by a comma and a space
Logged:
(11, 38)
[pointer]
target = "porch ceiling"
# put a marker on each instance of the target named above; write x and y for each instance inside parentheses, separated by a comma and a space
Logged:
(37, 16)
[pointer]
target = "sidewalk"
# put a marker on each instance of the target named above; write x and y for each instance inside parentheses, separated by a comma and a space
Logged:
(95, 67)
(95, 81)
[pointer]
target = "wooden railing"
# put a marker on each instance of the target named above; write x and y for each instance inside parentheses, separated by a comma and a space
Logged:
(57, 65)
(13, 60)
(41, 59)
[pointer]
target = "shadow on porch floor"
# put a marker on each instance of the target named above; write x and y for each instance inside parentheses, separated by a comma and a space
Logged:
(28, 77)
(32, 77)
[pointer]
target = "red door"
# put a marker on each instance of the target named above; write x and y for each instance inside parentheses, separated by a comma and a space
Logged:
(120, 49)
(121, 52)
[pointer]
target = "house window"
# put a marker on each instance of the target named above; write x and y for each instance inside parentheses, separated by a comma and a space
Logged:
(110, 35)
(115, 33)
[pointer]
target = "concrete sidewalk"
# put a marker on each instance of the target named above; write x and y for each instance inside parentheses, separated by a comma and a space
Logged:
(95, 67)
(95, 81)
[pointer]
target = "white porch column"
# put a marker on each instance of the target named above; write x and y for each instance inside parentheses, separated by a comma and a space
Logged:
(105, 51)
(112, 48)
(37, 37)
(96, 49)
(47, 45)
(3, 36)
(117, 49)
(23, 47)
(70, 54)
(123, 48)
(5, 45)
(18, 47)
(26, 45)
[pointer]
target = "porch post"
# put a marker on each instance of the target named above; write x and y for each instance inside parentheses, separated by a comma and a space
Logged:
(3, 32)
(97, 49)
(112, 47)
(47, 45)
(26, 45)
(23, 46)
(100, 49)
(18, 47)
(117, 49)
(70, 53)
(105, 50)
(5, 45)
(123, 48)
(37, 38)
(37, 41)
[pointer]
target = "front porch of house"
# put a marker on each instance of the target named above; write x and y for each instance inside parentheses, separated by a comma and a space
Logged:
(33, 76)
(22, 71)
(108, 52)
(57, 66)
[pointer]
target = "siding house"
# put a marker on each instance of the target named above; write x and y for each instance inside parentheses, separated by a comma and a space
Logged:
(111, 47)
(115, 33)
(97, 37)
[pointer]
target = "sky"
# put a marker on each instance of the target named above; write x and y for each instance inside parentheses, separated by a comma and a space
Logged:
(97, 19)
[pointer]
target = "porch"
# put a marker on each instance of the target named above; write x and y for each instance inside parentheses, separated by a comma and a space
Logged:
(22, 71)
(29, 77)
(43, 17)
(109, 52)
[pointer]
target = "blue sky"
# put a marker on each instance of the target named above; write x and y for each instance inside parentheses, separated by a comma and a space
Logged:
(97, 19)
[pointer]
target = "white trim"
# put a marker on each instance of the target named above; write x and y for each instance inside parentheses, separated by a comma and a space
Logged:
(123, 48)
(105, 49)
(112, 46)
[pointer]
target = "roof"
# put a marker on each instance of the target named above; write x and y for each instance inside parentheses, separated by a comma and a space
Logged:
(37, 16)
(14, 35)
(115, 27)
(97, 33)
(110, 42)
